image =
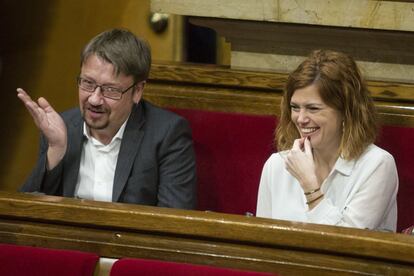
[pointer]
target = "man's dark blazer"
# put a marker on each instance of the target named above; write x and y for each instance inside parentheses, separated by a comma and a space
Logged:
(155, 166)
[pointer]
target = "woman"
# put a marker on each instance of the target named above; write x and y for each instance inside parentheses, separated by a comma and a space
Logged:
(328, 170)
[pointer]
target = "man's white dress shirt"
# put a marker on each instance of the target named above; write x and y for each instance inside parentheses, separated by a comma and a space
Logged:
(97, 166)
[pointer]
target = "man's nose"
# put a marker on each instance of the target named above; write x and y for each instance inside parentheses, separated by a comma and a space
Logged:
(96, 97)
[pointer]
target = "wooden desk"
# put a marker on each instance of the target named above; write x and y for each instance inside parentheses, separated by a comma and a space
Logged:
(122, 230)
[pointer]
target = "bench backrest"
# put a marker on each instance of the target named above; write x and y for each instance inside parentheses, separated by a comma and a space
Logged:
(26, 260)
(231, 149)
(399, 142)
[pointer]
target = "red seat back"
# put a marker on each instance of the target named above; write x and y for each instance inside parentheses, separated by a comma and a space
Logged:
(399, 142)
(230, 150)
(25, 260)
(136, 267)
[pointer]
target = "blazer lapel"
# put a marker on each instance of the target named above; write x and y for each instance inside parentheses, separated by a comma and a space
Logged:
(73, 156)
(129, 148)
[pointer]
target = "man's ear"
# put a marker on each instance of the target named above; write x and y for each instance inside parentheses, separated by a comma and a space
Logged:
(139, 89)
(141, 85)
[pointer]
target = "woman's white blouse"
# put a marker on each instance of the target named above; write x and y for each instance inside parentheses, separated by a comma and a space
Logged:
(359, 193)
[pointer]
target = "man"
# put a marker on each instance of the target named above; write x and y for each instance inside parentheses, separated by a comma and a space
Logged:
(115, 146)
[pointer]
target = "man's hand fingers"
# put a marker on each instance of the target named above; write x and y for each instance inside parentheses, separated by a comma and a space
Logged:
(36, 110)
(23, 96)
(44, 104)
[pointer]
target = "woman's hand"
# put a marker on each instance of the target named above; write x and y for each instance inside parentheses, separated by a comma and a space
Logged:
(299, 162)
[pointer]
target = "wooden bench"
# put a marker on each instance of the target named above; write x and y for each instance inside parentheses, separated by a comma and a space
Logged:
(116, 230)
(137, 267)
(222, 102)
(233, 115)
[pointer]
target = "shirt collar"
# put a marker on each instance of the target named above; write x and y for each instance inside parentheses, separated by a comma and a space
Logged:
(343, 166)
(119, 135)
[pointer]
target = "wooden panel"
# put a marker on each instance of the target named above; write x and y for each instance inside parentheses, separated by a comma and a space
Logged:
(301, 39)
(123, 230)
(217, 76)
(219, 88)
(214, 99)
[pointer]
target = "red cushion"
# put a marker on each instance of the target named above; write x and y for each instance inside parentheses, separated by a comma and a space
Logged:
(399, 142)
(135, 267)
(25, 260)
(231, 150)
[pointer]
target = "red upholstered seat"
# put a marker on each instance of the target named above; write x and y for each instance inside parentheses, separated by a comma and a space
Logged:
(135, 267)
(399, 142)
(231, 150)
(33, 261)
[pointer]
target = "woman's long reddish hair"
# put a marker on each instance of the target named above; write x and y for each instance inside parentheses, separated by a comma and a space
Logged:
(341, 87)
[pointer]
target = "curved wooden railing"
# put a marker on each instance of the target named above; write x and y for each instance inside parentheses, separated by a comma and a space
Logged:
(118, 230)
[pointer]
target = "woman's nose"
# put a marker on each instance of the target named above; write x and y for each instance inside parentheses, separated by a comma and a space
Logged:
(303, 116)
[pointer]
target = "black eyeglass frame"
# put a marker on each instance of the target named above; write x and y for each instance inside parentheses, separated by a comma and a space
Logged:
(115, 89)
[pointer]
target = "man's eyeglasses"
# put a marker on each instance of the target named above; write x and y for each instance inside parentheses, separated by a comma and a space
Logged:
(107, 91)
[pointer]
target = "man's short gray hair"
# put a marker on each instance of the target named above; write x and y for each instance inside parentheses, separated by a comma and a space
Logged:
(128, 53)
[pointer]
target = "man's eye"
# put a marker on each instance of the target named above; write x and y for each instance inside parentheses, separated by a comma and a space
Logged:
(111, 89)
(88, 82)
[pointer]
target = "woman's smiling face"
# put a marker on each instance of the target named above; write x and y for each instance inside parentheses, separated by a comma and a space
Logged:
(316, 120)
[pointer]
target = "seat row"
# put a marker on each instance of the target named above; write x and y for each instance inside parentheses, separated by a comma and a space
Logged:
(231, 158)
(34, 261)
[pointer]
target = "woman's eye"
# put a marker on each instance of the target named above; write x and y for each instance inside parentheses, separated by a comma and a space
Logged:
(313, 108)
(294, 108)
